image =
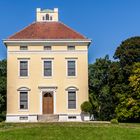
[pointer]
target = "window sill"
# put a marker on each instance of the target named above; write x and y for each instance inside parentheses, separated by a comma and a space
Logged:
(23, 77)
(47, 77)
(71, 77)
(72, 109)
(22, 110)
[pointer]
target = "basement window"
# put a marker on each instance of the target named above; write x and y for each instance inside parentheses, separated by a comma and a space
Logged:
(23, 118)
(71, 117)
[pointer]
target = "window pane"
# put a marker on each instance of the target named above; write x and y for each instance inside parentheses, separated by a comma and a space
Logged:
(23, 64)
(23, 100)
(71, 47)
(23, 48)
(47, 73)
(71, 99)
(72, 96)
(23, 68)
(23, 73)
(47, 47)
(71, 68)
(47, 64)
(72, 105)
(47, 68)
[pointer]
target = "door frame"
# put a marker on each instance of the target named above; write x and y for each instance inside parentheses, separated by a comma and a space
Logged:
(44, 90)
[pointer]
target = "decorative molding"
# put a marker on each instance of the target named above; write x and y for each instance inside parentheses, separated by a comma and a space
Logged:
(72, 88)
(42, 88)
(71, 58)
(47, 52)
(23, 89)
(82, 42)
(23, 58)
(47, 58)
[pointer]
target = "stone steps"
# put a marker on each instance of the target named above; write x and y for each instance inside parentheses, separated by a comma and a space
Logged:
(48, 118)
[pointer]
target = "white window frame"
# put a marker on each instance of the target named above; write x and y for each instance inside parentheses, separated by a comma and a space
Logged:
(48, 49)
(71, 59)
(23, 59)
(71, 49)
(68, 101)
(23, 49)
(22, 110)
(47, 59)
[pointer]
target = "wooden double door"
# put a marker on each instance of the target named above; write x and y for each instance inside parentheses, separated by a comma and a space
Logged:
(48, 103)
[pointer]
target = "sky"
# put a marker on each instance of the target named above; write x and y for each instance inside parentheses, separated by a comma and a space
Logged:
(106, 22)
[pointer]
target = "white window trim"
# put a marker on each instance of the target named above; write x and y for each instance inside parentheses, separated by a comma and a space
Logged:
(23, 49)
(71, 49)
(71, 59)
(47, 59)
(19, 60)
(46, 49)
(76, 101)
(23, 110)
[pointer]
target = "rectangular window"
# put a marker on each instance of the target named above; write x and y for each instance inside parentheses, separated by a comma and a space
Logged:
(71, 117)
(71, 99)
(24, 68)
(23, 118)
(47, 48)
(71, 68)
(70, 48)
(23, 100)
(23, 47)
(48, 68)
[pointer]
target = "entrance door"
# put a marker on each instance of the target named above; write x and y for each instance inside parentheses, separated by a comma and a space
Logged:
(48, 103)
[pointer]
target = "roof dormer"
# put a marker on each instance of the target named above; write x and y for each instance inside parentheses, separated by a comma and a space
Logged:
(46, 15)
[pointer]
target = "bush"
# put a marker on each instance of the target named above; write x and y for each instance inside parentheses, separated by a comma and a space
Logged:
(2, 117)
(114, 121)
(86, 107)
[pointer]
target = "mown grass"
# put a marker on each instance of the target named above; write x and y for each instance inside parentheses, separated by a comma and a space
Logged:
(69, 131)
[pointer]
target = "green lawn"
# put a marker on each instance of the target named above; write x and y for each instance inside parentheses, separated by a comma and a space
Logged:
(69, 131)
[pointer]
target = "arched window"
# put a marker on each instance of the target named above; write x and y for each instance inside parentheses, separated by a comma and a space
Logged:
(72, 91)
(43, 18)
(47, 16)
(23, 98)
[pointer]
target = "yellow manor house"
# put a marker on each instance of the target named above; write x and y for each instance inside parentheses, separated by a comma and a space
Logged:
(47, 71)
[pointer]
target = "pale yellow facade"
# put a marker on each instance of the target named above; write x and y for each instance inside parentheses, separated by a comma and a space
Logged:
(36, 78)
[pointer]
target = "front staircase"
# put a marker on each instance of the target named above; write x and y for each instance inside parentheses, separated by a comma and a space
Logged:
(48, 118)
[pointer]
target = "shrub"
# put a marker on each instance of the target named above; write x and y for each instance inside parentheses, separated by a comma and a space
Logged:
(114, 121)
(86, 107)
(2, 117)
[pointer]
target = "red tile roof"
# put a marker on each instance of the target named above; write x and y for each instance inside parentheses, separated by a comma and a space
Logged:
(47, 30)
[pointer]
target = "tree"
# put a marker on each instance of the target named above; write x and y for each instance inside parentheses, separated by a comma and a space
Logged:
(3, 72)
(99, 89)
(135, 78)
(128, 53)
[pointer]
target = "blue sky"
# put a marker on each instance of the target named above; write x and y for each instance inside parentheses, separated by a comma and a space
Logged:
(106, 22)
